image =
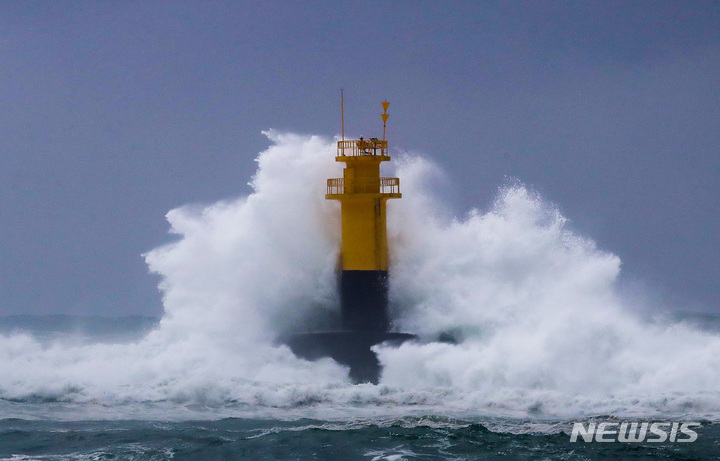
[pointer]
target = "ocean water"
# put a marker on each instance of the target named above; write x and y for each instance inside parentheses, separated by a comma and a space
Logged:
(405, 438)
(522, 331)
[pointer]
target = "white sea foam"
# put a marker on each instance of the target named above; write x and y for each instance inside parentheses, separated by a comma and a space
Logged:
(539, 328)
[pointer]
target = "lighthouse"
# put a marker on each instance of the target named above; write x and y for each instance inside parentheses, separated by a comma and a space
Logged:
(363, 267)
(363, 196)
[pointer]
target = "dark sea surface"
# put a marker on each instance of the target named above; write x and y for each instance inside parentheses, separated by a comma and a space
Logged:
(396, 439)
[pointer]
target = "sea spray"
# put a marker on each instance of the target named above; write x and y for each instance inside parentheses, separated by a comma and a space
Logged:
(532, 312)
(528, 311)
(242, 272)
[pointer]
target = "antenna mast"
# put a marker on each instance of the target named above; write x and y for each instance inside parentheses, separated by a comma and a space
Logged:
(385, 115)
(342, 114)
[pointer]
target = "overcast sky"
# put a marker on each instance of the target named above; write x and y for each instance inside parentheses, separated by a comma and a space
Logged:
(113, 113)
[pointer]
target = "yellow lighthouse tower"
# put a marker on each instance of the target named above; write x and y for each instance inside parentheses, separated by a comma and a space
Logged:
(363, 195)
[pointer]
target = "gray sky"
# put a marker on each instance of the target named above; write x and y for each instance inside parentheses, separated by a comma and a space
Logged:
(112, 113)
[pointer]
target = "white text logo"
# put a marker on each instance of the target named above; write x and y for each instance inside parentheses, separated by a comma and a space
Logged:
(633, 432)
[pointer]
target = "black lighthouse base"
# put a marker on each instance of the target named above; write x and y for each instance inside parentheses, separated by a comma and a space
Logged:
(365, 323)
(351, 348)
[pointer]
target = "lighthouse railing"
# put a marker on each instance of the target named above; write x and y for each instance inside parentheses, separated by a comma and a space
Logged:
(336, 186)
(389, 185)
(357, 147)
